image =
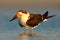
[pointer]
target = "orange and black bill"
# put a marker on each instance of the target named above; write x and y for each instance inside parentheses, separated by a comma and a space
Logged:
(13, 18)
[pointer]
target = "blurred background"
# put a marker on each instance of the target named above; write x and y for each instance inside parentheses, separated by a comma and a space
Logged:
(8, 8)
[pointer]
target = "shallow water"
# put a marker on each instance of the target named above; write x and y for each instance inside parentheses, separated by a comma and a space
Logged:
(40, 37)
(26, 37)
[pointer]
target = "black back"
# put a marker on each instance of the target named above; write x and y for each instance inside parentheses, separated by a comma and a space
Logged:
(34, 20)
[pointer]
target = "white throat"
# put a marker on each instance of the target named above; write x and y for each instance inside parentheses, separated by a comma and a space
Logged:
(24, 18)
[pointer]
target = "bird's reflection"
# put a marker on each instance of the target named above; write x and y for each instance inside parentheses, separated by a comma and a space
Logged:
(26, 36)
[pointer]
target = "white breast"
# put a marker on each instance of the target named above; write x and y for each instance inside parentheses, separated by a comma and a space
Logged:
(24, 18)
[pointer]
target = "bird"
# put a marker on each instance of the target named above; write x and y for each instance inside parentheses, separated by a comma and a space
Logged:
(29, 20)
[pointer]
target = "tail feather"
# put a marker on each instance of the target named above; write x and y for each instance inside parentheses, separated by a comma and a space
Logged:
(45, 16)
(51, 16)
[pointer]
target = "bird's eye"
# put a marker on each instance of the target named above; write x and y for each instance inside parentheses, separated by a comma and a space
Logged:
(24, 12)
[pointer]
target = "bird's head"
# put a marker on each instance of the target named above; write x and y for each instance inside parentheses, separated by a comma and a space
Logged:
(19, 14)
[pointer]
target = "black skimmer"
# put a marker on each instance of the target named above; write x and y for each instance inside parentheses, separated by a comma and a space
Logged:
(29, 20)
